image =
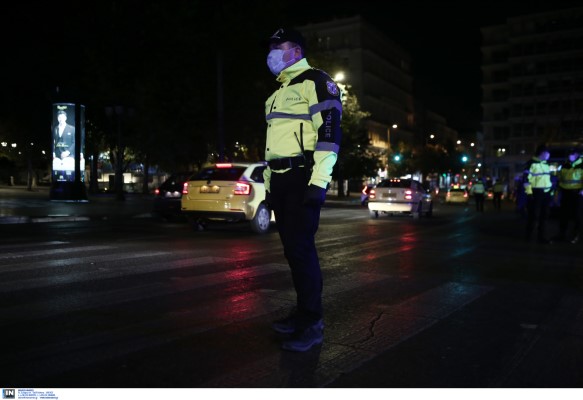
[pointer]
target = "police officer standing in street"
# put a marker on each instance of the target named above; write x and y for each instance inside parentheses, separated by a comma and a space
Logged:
(478, 190)
(571, 196)
(497, 191)
(537, 185)
(303, 139)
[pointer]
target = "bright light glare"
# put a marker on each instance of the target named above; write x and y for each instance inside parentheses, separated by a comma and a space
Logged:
(339, 77)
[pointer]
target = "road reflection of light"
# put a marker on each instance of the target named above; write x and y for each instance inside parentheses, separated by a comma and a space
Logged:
(240, 305)
(237, 274)
(406, 260)
(244, 250)
(400, 248)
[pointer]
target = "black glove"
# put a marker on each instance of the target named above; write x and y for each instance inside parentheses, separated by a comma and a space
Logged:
(267, 200)
(314, 196)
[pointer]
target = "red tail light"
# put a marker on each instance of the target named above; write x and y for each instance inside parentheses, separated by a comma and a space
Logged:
(372, 194)
(224, 165)
(364, 190)
(408, 194)
(465, 194)
(242, 188)
(185, 188)
(157, 192)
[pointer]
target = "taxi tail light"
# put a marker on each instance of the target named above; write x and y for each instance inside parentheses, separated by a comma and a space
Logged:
(408, 194)
(372, 194)
(364, 189)
(465, 194)
(185, 188)
(242, 188)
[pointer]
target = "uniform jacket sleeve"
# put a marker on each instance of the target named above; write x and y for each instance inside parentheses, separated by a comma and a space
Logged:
(267, 179)
(325, 108)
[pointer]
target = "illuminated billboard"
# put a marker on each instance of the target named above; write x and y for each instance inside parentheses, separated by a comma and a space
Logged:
(68, 142)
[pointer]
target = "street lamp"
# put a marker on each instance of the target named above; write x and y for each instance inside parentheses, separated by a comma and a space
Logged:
(339, 79)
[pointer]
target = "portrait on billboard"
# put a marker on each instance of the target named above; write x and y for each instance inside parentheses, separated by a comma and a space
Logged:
(64, 144)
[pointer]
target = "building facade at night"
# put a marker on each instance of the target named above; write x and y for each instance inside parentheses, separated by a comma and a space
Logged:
(378, 72)
(532, 87)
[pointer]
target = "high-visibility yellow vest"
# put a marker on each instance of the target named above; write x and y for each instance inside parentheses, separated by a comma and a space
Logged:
(537, 176)
(305, 110)
(498, 187)
(571, 175)
(478, 188)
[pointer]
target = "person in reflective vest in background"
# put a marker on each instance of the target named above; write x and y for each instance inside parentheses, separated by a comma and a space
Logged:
(478, 190)
(571, 196)
(498, 190)
(538, 185)
(303, 139)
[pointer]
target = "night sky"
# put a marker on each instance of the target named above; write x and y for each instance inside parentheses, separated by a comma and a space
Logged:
(443, 38)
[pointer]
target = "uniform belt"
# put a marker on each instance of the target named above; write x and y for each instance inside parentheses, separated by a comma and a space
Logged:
(287, 162)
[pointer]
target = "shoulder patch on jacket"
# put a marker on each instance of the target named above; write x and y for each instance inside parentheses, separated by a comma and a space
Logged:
(332, 88)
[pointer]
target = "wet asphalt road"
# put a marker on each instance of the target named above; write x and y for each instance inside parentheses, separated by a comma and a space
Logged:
(457, 300)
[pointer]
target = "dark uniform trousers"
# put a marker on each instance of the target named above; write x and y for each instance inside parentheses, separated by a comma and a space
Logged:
(479, 199)
(570, 210)
(538, 209)
(497, 200)
(297, 225)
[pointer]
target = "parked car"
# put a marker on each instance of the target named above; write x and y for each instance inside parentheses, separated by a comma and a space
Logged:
(400, 196)
(457, 195)
(168, 195)
(231, 192)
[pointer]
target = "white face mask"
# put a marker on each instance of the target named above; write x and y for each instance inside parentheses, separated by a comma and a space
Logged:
(275, 61)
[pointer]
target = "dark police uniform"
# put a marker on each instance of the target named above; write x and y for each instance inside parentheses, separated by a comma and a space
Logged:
(571, 187)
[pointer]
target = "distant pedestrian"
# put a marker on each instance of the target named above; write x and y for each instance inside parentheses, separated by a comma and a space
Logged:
(537, 185)
(478, 190)
(571, 196)
(498, 191)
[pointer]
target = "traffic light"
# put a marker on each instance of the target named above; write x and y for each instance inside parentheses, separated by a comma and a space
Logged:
(464, 158)
(397, 157)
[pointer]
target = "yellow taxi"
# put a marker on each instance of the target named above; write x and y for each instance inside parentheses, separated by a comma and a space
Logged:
(232, 192)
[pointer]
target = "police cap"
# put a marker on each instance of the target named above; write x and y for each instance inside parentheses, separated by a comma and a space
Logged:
(287, 35)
